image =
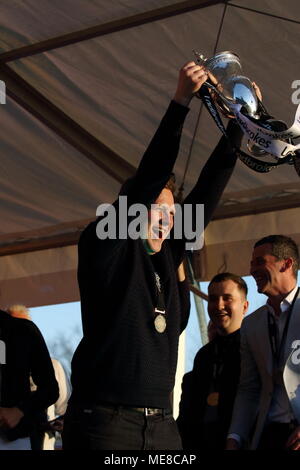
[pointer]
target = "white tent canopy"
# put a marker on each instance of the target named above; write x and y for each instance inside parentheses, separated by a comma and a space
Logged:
(87, 83)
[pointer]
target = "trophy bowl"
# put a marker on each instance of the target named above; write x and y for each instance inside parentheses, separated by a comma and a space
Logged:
(228, 85)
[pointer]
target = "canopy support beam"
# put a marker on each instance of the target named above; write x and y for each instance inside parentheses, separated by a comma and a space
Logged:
(65, 127)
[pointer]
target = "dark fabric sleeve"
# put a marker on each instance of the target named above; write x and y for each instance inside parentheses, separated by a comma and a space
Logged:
(152, 174)
(185, 304)
(216, 172)
(42, 373)
(210, 185)
(193, 399)
(186, 417)
(158, 160)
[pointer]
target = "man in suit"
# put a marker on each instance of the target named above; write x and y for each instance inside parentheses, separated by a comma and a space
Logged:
(50, 420)
(267, 338)
(208, 391)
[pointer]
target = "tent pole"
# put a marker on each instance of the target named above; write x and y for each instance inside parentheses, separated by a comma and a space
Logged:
(198, 303)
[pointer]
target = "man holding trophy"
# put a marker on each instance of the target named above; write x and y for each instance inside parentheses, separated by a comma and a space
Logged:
(123, 371)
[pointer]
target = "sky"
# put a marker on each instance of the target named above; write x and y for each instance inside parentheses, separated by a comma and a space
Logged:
(61, 326)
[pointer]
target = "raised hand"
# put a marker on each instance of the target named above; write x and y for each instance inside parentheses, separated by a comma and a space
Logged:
(191, 78)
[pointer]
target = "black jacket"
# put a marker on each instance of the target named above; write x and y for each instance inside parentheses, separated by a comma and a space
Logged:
(222, 352)
(122, 359)
(26, 355)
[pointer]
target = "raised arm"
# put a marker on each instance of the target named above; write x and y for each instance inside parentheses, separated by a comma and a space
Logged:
(216, 172)
(208, 189)
(158, 161)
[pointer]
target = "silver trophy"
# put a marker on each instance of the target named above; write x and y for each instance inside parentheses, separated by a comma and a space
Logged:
(227, 83)
(228, 87)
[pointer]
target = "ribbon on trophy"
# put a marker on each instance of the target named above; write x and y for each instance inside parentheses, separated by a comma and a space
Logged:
(234, 94)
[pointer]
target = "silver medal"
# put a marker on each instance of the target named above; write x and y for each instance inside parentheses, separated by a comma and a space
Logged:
(160, 323)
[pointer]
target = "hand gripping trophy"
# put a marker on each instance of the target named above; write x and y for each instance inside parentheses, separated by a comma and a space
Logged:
(237, 97)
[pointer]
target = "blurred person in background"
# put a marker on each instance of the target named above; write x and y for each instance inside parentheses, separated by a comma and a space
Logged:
(26, 355)
(50, 421)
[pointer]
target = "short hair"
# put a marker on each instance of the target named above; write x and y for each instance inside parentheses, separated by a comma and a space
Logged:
(171, 183)
(19, 311)
(283, 247)
(126, 186)
(239, 281)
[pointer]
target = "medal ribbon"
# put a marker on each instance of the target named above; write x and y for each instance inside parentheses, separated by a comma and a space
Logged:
(160, 302)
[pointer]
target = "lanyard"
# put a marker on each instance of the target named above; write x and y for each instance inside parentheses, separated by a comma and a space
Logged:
(160, 295)
(160, 321)
(218, 366)
(273, 332)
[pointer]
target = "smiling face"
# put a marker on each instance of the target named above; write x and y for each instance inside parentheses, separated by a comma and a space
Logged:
(267, 270)
(161, 220)
(227, 306)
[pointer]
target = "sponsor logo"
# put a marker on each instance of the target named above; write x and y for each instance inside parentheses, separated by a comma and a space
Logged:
(257, 138)
(254, 165)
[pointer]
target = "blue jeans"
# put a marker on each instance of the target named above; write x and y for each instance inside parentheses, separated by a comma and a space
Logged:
(118, 428)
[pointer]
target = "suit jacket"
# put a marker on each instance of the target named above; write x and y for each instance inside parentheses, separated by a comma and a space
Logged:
(256, 385)
(195, 432)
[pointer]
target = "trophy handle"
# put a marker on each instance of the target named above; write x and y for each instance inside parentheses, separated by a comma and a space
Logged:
(223, 98)
(223, 102)
(212, 87)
